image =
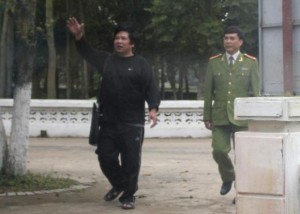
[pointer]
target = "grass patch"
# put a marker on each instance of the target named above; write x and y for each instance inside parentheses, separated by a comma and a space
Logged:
(33, 182)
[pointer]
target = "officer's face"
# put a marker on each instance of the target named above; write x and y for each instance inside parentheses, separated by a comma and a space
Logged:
(232, 43)
(122, 44)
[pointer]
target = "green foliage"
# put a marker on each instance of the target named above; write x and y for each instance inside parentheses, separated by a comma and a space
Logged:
(186, 27)
(185, 33)
(170, 32)
(25, 26)
(245, 15)
(33, 182)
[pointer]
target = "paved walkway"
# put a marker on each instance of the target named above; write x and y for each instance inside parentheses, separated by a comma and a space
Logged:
(177, 176)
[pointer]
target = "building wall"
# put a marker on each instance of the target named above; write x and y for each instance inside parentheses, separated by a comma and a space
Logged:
(271, 46)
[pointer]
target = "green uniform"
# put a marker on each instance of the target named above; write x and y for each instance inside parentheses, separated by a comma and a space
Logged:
(223, 84)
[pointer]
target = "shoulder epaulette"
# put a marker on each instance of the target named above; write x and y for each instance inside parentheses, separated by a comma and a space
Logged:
(215, 56)
(250, 57)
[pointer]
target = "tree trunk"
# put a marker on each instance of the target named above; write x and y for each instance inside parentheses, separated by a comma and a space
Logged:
(180, 86)
(8, 92)
(25, 41)
(84, 76)
(171, 71)
(6, 48)
(67, 69)
(3, 145)
(187, 86)
(20, 131)
(200, 85)
(163, 78)
(2, 53)
(67, 61)
(84, 82)
(51, 79)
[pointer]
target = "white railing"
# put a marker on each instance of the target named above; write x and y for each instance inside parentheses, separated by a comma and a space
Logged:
(71, 118)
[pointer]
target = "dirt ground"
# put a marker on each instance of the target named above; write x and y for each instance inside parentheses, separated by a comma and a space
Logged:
(177, 176)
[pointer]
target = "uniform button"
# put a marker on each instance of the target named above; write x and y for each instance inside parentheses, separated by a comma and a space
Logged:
(229, 92)
(229, 83)
(230, 74)
(228, 102)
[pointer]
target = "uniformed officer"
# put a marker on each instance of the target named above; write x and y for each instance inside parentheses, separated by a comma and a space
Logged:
(229, 75)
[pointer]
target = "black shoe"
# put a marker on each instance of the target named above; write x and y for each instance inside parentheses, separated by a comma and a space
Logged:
(112, 194)
(226, 187)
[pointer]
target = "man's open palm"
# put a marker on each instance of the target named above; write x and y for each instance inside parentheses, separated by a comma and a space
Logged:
(75, 28)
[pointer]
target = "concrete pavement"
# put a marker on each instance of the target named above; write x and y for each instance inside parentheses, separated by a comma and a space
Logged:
(177, 176)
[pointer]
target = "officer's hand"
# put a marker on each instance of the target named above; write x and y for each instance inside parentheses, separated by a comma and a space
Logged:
(208, 124)
(75, 27)
(152, 116)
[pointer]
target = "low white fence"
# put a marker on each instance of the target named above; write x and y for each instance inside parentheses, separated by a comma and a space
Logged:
(71, 118)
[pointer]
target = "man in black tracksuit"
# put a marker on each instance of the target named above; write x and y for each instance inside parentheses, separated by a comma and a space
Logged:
(127, 83)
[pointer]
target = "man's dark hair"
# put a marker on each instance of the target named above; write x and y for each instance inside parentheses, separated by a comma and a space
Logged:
(235, 29)
(125, 27)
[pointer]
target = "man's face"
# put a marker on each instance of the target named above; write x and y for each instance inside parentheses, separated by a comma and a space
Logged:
(232, 43)
(122, 44)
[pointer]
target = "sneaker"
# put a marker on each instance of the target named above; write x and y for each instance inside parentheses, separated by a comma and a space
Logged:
(128, 203)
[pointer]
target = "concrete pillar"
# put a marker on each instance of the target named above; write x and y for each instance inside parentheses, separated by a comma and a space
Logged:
(268, 156)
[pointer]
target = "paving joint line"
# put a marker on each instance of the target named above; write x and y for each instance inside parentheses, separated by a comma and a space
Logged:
(76, 187)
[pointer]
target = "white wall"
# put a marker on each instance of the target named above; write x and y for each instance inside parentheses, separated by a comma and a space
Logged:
(71, 118)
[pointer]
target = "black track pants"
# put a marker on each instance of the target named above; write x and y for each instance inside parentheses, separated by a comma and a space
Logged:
(124, 141)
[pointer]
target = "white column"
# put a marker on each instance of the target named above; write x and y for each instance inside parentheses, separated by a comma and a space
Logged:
(268, 156)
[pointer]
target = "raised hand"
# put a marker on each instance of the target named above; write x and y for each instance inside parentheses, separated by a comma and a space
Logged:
(76, 28)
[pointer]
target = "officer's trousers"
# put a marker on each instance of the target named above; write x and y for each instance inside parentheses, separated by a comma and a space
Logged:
(119, 154)
(221, 144)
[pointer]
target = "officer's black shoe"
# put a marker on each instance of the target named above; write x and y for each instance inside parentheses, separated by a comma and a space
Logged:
(226, 187)
(112, 194)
